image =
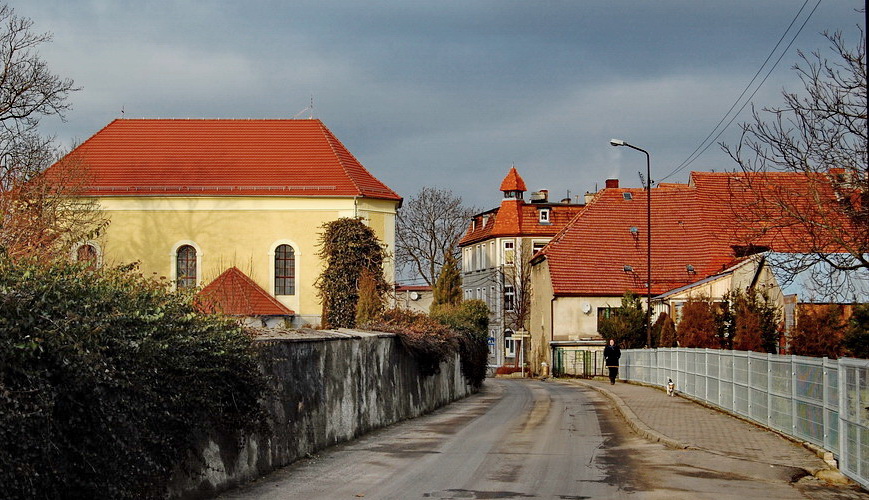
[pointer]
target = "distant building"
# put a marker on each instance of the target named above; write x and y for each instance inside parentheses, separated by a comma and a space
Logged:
(416, 298)
(189, 199)
(495, 252)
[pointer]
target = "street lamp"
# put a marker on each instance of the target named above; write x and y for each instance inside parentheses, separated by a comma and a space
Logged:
(619, 142)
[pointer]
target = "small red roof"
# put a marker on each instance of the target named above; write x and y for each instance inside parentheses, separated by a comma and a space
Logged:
(234, 293)
(513, 181)
(208, 157)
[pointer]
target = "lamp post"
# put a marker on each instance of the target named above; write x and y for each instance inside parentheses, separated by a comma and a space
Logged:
(619, 142)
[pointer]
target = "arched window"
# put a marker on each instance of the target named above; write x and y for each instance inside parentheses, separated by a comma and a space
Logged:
(87, 253)
(185, 260)
(285, 270)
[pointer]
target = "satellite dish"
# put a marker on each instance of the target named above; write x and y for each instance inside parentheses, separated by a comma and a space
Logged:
(586, 308)
(414, 296)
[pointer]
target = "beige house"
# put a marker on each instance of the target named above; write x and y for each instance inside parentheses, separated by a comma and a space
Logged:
(189, 199)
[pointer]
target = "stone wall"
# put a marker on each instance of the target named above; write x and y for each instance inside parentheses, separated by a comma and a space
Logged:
(328, 387)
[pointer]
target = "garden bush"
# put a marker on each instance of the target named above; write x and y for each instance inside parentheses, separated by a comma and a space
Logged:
(108, 381)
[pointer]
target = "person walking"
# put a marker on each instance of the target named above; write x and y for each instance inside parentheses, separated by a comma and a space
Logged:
(611, 355)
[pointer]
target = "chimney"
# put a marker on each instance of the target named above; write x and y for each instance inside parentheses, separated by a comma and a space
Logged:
(541, 196)
(612, 183)
(566, 201)
(589, 197)
(545, 193)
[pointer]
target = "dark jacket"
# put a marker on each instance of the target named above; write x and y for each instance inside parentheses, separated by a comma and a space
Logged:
(611, 355)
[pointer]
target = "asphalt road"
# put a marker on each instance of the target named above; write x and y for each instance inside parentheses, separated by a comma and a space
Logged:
(516, 439)
(527, 439)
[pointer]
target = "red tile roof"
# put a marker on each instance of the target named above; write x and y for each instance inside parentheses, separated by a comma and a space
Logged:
(696, 224)
(234, 293)
(515, 217)
(206, 157)
(513, 181)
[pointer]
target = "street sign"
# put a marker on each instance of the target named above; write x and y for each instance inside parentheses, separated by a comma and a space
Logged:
(491, 341)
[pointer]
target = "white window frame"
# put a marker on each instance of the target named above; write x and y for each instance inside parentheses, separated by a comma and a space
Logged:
(543, 216)
(509, 254)
(509, 291)
(509, 344)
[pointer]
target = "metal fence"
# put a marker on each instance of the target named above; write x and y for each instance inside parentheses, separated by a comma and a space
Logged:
(577, 362)
(821, 401)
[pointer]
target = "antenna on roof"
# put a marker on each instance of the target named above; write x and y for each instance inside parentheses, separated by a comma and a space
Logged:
(309, 108)
(642, 179)
(122, 110)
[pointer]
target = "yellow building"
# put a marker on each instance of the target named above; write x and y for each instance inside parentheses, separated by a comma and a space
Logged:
(189, 199)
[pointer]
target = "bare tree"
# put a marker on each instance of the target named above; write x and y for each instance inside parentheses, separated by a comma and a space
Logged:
(516, 288)
(429, 226)
(40, 212)
(821, 134)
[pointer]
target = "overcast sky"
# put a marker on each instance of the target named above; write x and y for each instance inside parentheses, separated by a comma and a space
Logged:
(442, 93)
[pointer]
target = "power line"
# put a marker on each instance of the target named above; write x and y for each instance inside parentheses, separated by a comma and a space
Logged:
(698, 151)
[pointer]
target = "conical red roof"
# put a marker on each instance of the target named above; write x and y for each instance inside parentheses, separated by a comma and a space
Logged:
(513, 181)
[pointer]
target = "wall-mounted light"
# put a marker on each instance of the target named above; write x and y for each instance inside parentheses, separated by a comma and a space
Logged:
(634, 230)
(628, 269)
(690, 269)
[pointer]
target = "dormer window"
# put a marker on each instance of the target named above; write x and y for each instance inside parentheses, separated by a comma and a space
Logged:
(543, 215)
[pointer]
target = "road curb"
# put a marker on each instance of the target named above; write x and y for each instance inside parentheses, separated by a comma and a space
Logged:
(634, 422)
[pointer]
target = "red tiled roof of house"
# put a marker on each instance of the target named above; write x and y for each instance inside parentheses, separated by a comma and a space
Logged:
(517, 218)
(513, 181)
(208, 157)
(234, 293)
(696, 224)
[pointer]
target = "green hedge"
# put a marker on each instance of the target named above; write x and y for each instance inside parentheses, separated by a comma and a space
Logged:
(108, 381)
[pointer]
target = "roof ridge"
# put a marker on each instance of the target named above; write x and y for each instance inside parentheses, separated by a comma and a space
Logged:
(330, 139)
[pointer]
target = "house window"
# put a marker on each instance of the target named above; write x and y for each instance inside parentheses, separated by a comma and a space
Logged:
(87, 253)
(543, 215)
(185, 260)
(509, 298)
(537, 246)
(604, 313)
(285, 270)
(509, 344)
(509, 253)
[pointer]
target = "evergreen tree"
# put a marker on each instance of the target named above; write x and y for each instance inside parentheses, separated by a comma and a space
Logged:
(448, 287)
(626, 324)
(857, 336)
(697, 327)
(371, 303)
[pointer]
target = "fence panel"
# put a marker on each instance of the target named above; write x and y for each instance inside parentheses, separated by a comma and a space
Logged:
(824, 402)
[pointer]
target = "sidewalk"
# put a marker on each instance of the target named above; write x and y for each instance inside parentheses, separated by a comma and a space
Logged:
(681, 423)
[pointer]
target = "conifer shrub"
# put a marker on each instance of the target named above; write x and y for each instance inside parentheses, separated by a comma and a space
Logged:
(626, 324)
(819, 331)
(664, 331)
(698, 328)
(371, 302)
(108, 381)
(347, 246)
(856, 341)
